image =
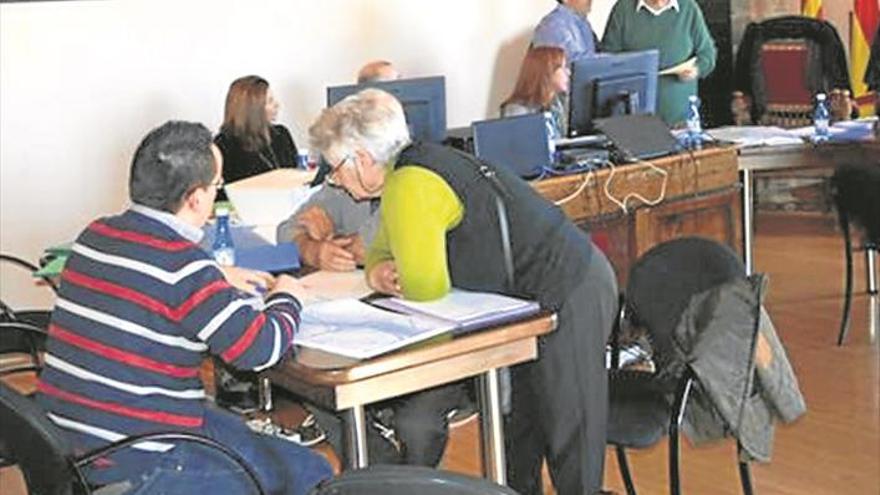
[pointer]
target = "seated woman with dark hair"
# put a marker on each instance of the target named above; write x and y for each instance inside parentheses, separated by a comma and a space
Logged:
(541, 87)
(251, 144)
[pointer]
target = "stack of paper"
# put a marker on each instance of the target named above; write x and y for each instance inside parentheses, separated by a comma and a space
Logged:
(755, 135)
(468, 310)
(269, 198)
(350, 327)
(325, 285)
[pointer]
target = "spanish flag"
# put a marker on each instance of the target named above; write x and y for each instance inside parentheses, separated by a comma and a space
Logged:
(812, 8)
(866, 16)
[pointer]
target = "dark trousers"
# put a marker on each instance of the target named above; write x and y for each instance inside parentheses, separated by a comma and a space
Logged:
(418, 420)
(560, 402)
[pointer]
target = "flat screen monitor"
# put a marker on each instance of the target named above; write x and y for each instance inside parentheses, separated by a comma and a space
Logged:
(517, 143)
(423, 100)
(608, 85)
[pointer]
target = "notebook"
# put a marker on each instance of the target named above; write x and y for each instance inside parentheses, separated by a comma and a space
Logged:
(638, 137)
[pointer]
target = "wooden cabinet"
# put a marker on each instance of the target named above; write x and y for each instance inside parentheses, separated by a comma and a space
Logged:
(682, 195)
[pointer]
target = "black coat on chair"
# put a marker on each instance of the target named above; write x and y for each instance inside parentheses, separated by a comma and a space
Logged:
(856, 193)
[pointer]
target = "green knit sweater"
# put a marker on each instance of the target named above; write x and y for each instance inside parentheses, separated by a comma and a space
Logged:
(679, 35)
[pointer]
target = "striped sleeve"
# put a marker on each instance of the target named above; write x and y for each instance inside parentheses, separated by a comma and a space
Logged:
(243, 330)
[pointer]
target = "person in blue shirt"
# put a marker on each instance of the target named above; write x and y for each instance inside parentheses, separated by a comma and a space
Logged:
(567, 27)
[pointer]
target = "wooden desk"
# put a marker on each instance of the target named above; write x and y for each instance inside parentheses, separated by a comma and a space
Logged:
(811, 159)
(347, 385)
(701, 198)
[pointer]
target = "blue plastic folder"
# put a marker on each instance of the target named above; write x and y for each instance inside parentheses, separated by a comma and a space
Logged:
(256, 253)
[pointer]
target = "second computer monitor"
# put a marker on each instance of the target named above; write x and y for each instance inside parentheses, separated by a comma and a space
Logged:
(606, 85)
(518, 143)
(423, 100)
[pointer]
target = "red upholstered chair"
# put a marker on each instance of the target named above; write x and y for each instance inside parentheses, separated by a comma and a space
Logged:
(780, 66)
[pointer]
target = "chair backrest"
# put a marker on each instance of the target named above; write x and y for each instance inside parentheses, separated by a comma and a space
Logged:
(29, 439)
(784, 67)
(781, 61)
(408, 480)
(663, 280)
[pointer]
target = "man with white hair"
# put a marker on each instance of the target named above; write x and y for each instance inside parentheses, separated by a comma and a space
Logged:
(448, 219)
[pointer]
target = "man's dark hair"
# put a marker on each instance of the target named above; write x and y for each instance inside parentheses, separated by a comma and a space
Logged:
(170, 162)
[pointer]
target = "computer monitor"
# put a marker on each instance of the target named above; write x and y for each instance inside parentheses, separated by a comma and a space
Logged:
(517, 143)
(607, 85)
(423, 100)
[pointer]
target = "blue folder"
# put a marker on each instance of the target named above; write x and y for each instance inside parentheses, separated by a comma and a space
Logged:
(255, 253)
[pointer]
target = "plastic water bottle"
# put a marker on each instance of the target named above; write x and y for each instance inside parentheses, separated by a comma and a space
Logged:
(550, 127)
(694, 126)
(223, 248)
(821, 118)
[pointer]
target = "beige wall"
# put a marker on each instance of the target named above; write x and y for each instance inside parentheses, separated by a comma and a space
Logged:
(82, 81)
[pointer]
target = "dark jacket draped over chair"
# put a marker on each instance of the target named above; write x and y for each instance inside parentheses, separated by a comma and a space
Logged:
(744, 379)
(826, 67)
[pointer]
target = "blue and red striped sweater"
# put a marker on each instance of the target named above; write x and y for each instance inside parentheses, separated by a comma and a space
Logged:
(138, 309)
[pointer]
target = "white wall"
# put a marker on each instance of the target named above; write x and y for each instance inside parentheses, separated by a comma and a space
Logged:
(82, 81)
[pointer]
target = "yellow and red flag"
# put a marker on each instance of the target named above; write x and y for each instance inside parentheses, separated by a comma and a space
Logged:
(812, 8)
(866, 17)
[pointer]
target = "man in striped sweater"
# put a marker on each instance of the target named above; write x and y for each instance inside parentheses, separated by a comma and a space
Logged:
(140, 306)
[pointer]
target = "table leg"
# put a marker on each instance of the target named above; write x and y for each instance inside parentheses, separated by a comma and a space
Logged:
(873, 291)
(492, 428)
(748, 212)
(264, 389)
(356, 437)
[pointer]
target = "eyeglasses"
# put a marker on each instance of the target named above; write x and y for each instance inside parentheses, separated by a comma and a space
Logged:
(334, 171)
(218, 185)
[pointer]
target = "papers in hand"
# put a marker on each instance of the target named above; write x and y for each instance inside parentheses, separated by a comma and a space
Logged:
(353, 328)
(688, 64)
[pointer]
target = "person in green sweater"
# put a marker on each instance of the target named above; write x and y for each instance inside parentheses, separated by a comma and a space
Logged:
(678, 30)
(449, 220)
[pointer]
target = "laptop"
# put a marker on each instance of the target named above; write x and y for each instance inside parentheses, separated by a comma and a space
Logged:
(518, 143)
(638, 137)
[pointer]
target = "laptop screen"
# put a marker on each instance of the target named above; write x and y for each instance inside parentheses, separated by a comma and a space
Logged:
(518, 143)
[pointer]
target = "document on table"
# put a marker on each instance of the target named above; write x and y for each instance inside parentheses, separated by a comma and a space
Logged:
(361, 330)
(353, 328)
(325, 285)
(756, 135)
(466, 309)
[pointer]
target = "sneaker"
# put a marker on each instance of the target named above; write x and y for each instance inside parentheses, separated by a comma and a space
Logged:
(307, 434)
(310, 431)
(461, 415)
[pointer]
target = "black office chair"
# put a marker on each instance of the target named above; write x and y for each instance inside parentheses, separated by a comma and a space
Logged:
(22, 331)
(22, 339)
(47, 461)
(856, 194)
(407, 480)
(645, 406)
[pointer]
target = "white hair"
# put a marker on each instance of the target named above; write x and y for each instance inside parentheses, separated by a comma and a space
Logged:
(371, 120)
